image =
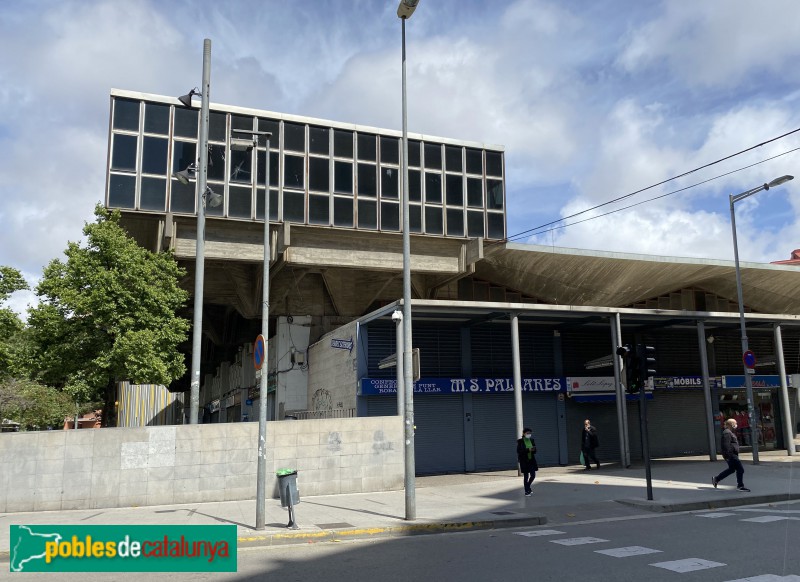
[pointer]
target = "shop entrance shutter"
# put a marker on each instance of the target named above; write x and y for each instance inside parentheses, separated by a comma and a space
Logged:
(604, 418)
(676, 423)
(381, 406)
(439, 438)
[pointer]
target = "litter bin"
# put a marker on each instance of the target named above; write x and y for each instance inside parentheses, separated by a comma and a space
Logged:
(287, 486)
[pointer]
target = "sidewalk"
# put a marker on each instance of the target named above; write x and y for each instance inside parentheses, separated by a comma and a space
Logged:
(465, 502)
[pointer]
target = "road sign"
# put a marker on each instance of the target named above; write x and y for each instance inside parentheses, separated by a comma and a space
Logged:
(259, 352)
(749, 359)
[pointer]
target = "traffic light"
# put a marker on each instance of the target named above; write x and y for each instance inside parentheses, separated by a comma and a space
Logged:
(631, 365)
(646, 355)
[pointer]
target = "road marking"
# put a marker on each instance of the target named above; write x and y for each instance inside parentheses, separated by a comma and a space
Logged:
(628, 552)
(577, 541)
(769, 510)
(688, 565)
(715, 515)
(766, 518)
(541, 532)
(769, 578)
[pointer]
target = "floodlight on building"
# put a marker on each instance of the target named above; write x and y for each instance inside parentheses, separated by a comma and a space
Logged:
(211, 198)
(187, 99)
(185, 175)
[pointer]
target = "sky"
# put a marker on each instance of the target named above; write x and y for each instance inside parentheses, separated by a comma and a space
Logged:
(591, 100)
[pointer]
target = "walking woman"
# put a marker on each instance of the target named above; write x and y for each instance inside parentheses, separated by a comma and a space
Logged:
(526, 455)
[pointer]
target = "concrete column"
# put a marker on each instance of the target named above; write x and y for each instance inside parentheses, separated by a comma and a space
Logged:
(788, 429)
(701, 342)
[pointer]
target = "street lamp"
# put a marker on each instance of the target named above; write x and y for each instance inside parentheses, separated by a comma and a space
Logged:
(202, 194)
(404, 11)
(748, 382)
(261, 470)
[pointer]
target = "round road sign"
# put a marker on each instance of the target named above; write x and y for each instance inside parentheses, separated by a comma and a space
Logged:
(749, 359)
(259, 352)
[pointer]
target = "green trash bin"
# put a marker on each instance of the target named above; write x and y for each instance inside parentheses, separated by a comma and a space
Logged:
(287, 487)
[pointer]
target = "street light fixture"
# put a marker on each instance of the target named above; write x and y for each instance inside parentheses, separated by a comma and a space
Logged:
(404, 11)
(748, 382)
(240, 144)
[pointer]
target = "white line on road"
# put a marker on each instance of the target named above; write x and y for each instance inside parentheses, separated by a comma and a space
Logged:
(577, 541)
(688, 565)
(715, 515)
(769, 578)
(628, 552)
(541, 532)
(767, 518)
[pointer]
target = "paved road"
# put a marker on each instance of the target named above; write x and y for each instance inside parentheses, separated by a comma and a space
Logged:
(756, 543)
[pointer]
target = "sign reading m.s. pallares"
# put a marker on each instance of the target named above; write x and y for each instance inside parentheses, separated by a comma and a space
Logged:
(381, 386)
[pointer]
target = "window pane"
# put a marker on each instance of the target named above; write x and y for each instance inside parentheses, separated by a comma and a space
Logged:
(156, 118)
(433, 188)
(183, 154)
(319, 140)
(319, 174)
(415, 218)
(220, 208)
(121, 191)
(474, 161)
(494, 194)
(126, 114)
(240, 201)
(390, 216)
(216, 162)
(182, 197)
(367, 180)
(124, 153)
(273, 204)
(294, 137)
(274, 168)
(475, 192)
(241, 122)
(413, 153)
(455, 223)
(475, 224)
(186, 122)
(433, 220)
(154, 156)
(343, 212)
(272, 126)
(319, 209)
(294, 206)
(452, 158)
(495, 222)
(415, 186)
(216, 126)
(455, 190)
(367, 214)
(494, 164)
(241, 166)
(433, 156)
(390, 150)
(154, 194)
(342, 144)
(343, 177)
(366, 147)
(390, 183)
(293, 172)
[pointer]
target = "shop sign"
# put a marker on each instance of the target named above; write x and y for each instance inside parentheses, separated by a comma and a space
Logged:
(214, 406)
(387, 386)
(772, 381)
(228, 402)
(342, 344)
(589, 384)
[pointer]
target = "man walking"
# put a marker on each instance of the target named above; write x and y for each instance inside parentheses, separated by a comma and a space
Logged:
(589, 442)
(730, 452)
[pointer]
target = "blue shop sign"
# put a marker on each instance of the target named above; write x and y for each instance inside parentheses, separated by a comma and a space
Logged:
(388, 386)
(771, 381)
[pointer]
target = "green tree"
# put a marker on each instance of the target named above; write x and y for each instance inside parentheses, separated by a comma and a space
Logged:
(10, 324)
(108, 313)
(34, 405)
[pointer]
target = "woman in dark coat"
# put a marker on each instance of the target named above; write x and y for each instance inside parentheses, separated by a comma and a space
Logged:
(526, 455)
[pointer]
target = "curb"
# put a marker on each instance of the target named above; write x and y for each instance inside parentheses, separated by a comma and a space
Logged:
(659, 507)
(303, 537)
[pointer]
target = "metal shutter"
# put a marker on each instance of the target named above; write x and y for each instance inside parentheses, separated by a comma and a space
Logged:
(604, 418)
(439, 437)
(381, 406)
(676, 423)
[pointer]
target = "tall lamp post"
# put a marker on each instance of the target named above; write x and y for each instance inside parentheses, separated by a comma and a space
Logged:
(748, 382)
(261, 469)
(404, 11)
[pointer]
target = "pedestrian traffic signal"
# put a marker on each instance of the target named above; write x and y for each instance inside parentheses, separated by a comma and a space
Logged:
(631, 367)
(647, 360)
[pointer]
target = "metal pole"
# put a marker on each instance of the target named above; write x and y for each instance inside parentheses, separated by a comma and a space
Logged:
(748, 381)
(701, 341)
(627, 439)
(408, 381)
(261, 478)
(620, 392)
(517, 373)
(401, 394)
(642, 357)
(788, 431)
(199, 257)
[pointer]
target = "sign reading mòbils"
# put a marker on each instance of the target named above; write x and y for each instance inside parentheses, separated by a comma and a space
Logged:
(342, 344)
(387, 386)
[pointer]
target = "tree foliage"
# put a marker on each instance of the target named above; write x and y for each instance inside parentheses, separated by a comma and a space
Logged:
(109, 312)
(11, 325)
(34, 405)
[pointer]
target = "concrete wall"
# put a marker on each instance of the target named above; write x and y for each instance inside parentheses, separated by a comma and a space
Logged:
(123, 467)
(332, 372)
